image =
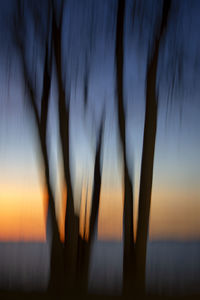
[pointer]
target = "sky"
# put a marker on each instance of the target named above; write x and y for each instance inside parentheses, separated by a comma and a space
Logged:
(175, 208)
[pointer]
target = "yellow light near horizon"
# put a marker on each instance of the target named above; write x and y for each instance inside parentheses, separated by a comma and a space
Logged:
(61, 213)
(110, 215)
(174, 214)
(22, 213)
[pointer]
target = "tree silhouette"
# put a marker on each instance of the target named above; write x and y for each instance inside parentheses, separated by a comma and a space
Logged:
(128, 260)
(71, 220)
(77, 249)
(135, 256)
(41, 126)
(85, 244)
(149, 139)
(70, 262)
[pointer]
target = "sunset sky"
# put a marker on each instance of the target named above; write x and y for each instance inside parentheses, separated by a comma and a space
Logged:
(175, 210)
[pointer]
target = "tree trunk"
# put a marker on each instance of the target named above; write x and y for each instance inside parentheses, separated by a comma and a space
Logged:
(85, 245)
(128, 237)
(41, 127)
(149, 139)
(71, 220)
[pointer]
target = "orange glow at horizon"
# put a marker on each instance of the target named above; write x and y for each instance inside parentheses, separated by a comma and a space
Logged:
(174, 214)
(61, 213)
(110, 215)
(85, 212)
(23, 214)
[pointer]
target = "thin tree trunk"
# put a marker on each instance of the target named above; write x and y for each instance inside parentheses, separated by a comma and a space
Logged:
(128, 260)
(149, 139)
(71, 220)
(56, 262)
(41, 126)
(85, 245)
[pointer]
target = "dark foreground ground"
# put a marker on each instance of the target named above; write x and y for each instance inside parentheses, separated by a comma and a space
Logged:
(173, 268)
(45, 296)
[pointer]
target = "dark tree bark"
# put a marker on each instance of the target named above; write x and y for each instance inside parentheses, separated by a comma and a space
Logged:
(56, 263)
(71, 220)
(41, 127)
(149, 139)
(86, 244)
(128, 232)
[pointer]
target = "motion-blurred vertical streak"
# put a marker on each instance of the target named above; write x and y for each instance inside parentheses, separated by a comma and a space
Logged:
(128, 237)
(71, 220)
(85, 245)
(41, 126)
(149, 139)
